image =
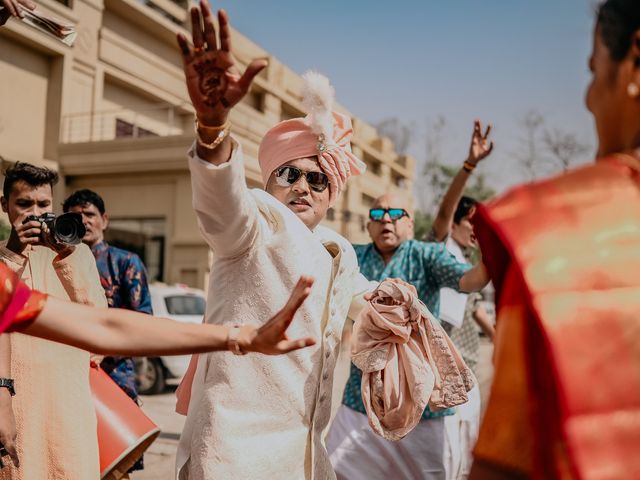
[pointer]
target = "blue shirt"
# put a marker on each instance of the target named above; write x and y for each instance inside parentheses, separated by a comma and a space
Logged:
(427, 266)
(124, 279)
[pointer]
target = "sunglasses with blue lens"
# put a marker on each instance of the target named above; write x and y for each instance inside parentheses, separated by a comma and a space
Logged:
(377, 214)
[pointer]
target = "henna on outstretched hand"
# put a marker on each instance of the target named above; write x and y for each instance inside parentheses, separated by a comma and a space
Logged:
(213, 81)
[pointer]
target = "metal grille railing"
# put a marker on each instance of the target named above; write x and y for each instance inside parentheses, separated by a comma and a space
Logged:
(162, 120)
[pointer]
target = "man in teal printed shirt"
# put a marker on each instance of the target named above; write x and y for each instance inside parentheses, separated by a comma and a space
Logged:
(431, 450)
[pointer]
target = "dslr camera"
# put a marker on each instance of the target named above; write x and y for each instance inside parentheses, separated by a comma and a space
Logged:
(67, 229)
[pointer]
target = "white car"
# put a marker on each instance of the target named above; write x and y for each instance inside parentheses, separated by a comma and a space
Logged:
(179, 303)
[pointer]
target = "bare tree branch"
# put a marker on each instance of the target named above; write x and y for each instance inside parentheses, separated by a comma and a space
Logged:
(528, 152)
(564, 147)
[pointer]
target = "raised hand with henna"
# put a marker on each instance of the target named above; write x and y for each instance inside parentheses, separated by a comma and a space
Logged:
(214, 81)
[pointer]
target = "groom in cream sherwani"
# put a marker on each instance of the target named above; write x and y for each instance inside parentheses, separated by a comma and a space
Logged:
(258, 418)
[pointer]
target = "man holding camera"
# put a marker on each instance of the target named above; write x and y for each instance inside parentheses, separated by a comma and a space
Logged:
(54, 413)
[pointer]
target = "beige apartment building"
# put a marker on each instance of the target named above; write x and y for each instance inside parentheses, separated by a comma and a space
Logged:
(112, 114)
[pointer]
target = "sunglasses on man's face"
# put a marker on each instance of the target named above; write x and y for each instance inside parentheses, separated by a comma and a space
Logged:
(377, 214)
(287, 176)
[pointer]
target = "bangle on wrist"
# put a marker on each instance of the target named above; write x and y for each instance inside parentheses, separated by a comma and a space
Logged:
(468, 166)
(220, 133)
(232, 341)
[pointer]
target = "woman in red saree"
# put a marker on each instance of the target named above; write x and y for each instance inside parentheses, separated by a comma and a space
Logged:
(564, 255)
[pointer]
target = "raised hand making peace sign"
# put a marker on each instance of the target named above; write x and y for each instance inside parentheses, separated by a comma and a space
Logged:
(214, 82)
(480, 146)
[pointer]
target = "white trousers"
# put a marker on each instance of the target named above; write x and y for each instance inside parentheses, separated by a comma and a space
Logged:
(437, 449)
(357, 453)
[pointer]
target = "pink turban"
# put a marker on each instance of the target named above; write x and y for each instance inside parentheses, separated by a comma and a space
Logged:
(293, 139)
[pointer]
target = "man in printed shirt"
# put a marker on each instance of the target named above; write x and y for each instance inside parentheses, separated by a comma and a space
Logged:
(431, 451)
(123, 277)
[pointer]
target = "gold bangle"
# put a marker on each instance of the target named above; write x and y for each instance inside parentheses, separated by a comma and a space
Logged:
(209, 129)
(468, 166)
(232, 341)
(220, 133)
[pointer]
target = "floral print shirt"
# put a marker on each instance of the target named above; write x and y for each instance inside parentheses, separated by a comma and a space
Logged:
(427, 266)
(124, 279)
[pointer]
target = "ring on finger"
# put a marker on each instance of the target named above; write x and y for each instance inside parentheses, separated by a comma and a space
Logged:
(198, 49)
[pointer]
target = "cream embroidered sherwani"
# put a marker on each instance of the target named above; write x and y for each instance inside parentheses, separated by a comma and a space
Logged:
(55, 416)
(262, 417)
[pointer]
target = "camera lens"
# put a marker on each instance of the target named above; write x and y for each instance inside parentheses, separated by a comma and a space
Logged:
(68, 228)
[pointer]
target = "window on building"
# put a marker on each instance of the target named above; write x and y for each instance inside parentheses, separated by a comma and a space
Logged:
(373, 164)
(125, 129)
(331, 214)
(162, 11)
(289, 111)
(367, 200)
(399, 181)
(363, 223)
(255, 99)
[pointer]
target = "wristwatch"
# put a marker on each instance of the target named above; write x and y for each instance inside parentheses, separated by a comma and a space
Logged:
(8, 384)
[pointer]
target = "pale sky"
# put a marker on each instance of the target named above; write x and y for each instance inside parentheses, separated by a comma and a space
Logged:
(463, 59)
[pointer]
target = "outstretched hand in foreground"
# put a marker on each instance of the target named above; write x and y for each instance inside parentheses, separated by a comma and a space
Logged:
(271, 338)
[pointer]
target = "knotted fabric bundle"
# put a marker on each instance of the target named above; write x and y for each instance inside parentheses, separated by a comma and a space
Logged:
(407, 361)
(322, 134)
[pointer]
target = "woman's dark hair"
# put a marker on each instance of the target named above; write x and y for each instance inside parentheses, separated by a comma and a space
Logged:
(465, 205)
(618, 21)
(84, 197)
(30, 174)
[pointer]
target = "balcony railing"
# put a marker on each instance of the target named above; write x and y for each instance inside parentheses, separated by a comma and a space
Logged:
(162, 120)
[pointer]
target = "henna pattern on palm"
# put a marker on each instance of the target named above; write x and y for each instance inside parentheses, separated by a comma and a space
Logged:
(213, 81)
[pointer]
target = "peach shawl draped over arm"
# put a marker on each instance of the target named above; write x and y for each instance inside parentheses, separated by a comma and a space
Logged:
(407, 361)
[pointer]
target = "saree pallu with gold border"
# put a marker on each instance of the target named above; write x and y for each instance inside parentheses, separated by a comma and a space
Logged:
(564, 255)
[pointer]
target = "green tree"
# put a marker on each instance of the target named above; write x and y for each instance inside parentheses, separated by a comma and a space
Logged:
(439, 176)
(421, 224)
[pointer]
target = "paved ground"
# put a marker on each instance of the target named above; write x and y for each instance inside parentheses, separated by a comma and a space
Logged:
(160, 458)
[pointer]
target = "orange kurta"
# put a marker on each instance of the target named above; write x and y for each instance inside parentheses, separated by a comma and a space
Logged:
(564, 255)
